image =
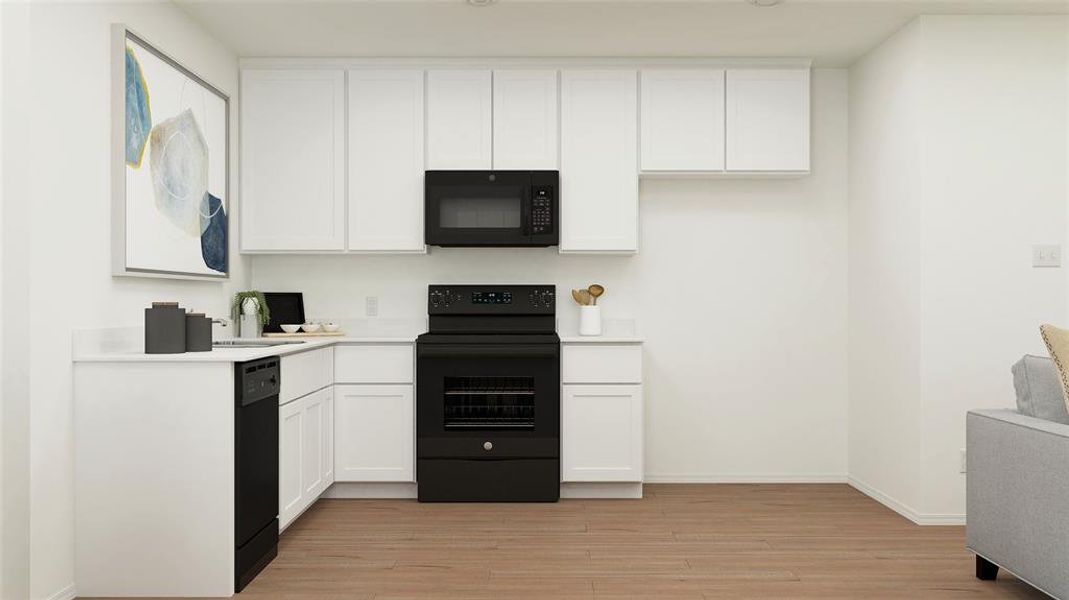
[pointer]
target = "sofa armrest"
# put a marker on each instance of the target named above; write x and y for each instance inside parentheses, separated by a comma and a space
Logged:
(1018, 496)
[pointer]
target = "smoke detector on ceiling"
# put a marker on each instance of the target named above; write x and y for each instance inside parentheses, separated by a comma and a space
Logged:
(481, 2)
(763, 2)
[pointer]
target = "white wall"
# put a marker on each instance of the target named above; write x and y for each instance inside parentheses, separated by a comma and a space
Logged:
(957, 167)
(739, 288)
(885, 269)
(994, 184)
(14, 304)
(67, 234)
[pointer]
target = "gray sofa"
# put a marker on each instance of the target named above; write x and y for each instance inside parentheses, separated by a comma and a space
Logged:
(1018, 483)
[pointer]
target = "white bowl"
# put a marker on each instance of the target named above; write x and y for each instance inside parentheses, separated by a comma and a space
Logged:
(331, 327)
(310, 327)
(290, 328)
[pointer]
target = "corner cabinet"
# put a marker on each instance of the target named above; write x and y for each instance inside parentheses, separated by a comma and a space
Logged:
(292, 160)
(601, 413)
(599, 161)
(385, 163)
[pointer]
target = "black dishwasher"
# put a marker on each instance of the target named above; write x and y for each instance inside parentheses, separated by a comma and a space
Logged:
(255, 467)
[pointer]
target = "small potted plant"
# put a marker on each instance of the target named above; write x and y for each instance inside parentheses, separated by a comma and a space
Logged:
(249, 310)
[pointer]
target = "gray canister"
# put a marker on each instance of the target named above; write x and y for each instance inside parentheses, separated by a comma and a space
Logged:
(165, 329)
(198, 333)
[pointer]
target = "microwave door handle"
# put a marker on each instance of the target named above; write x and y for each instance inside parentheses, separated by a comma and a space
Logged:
(525, 210)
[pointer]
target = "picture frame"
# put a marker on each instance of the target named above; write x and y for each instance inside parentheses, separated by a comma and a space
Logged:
(170, 166)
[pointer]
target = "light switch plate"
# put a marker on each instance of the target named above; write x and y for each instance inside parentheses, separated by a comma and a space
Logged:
(1046, 255)
(371, 306)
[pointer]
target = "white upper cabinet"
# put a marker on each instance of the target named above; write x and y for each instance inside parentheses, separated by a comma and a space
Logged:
(599, 160)
(768, 119)
(386, 160)
(525, 120)
(292, 160)
(683, 120)
(459, 113)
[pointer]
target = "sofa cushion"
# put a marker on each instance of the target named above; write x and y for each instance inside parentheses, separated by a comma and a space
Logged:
(1039, 391)
(1057, 341)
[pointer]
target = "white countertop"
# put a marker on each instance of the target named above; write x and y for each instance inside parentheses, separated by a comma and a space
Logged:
(126, 344)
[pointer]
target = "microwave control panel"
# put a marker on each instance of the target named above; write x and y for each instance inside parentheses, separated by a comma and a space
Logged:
(541, 209)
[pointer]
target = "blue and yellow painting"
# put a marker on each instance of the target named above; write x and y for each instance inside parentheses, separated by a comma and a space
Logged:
(176, 208)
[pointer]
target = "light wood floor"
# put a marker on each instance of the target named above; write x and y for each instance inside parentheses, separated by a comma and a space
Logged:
(680, 541)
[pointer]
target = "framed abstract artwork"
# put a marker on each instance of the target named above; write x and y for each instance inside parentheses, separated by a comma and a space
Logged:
(171, 146)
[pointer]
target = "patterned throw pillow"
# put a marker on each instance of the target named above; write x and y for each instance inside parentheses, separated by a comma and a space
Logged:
(1057, 341)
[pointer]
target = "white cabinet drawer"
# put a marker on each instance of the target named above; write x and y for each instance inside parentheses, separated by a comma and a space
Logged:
(305, 372)
(602, 363)
(373, 364)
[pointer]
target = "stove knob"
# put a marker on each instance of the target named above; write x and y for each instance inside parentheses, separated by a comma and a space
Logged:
(488, 446)
(436, 299)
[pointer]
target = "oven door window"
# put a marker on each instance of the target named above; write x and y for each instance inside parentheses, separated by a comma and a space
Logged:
(497, 210)
(489, 402)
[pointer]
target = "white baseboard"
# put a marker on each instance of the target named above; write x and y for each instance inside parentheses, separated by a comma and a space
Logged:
(66, 593)
(736, 478)
(600, 490)
(904, 509)
(348, 489)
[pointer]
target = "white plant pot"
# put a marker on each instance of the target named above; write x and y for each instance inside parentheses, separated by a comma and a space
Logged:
(250, 319)
(250, 326)
(589, 320)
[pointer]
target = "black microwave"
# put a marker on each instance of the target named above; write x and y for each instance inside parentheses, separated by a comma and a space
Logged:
(492, 208)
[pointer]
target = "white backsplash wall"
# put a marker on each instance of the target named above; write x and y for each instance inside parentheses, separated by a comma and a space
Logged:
(739, 288)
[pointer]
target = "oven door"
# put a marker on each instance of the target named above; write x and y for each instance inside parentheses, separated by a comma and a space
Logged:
(488, 401)
(477, 208)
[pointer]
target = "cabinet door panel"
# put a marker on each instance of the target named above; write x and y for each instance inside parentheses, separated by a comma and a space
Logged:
(599, 161)
(314, 422)
(292, 160)
(683, 120)
(327, 447)
(768, 119)
(386, 160)
(525, 119)
(373, 433)
(291, 444)
(458, 119)
(601, 433)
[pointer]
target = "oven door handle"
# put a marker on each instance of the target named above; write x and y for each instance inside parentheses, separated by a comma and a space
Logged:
(488, 350)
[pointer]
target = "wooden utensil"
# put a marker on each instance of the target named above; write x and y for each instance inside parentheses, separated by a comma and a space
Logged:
(595, 290)
(575, 296)
(585, 298)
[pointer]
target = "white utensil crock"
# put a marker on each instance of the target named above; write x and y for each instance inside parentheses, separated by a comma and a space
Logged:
(590, 320)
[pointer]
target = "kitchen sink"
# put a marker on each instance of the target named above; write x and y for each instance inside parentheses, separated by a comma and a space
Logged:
(253, 343)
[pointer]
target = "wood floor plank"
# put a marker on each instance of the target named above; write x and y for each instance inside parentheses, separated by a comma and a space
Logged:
(693, 542)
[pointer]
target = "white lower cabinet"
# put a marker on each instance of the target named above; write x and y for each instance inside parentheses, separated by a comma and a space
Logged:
(374, 433)
(305, 456)
(601, 432)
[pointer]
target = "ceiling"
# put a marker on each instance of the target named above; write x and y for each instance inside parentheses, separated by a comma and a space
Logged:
(832, 32)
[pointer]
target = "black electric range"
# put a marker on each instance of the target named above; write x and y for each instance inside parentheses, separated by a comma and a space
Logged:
(488, 395)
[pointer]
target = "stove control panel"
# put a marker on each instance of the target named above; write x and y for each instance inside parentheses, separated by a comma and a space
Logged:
(491, 300)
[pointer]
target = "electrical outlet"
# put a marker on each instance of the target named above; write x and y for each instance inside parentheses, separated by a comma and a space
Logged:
(1046, 255)
(371, 306)
(962, 464)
